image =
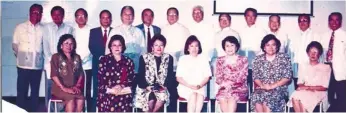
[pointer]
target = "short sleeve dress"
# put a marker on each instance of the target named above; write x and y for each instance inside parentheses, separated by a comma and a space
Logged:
(269, 72)
(68, 72)
(193, 70)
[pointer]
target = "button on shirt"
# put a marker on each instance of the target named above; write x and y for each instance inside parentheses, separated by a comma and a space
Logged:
(176, 35)
(82, 39)
(27, 45)
(51, 36)
(204, 32)
(339, 52)
(251, 38)
(134, 41)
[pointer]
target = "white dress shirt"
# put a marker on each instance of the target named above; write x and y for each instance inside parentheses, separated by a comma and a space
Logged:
(204, 33)
(251, 38)
(146, 34)
(222, 34)
(339, 52)
(51, 36)
(297, 48)
(283, 37)
(27, 45)
(176, 35)
(82, 39)
(134, 41)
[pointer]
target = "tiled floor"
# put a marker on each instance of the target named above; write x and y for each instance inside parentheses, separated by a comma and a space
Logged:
(41, 107)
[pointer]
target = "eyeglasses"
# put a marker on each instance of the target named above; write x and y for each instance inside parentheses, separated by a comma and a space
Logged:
(303, 20)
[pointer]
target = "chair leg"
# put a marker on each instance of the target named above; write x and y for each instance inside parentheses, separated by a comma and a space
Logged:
(85, 106)
(247, 107)
(321, 107)
(165, 108)
(209, 106)
(178, 107)
(48, 107)
(55, 107)
(288, 110)
(216, 107)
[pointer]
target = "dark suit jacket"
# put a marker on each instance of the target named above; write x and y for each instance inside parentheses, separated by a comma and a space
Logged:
(157, 30)
(96, 46)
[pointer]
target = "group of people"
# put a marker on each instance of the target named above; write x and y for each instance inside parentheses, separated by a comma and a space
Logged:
(148, 67)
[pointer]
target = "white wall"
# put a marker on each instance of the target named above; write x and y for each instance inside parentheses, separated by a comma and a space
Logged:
(15, 12)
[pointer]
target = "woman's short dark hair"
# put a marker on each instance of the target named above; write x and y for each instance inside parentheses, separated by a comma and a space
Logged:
(231, 39)
(189, 40)
(316, 45)
(268, 38)
(122, 41)
(157, 37)
(61, 41)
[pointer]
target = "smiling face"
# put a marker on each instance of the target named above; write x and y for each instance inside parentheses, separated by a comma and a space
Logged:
(147, 17)
(127, 17)
(158, 47)
(274, 23)
(303, 23)
(105, 20)
(67, 46)
(193, 48)
(224, 21)
(35, 15)
(197, 15)
(334, 22)
(172, 16)
(230, 48)
(81, 18)
(57, 17)
(313, 54)
(116, 47)
(250, 18)
(270, 47)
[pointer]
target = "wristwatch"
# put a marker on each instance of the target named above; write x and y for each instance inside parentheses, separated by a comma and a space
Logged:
(198, 86)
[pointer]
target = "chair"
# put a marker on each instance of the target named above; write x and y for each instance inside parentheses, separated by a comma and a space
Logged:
(182, 100)
(55, 100)
(134, 110)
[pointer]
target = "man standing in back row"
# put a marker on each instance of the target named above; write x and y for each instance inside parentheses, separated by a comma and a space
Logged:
(97, 44)
(27, 47)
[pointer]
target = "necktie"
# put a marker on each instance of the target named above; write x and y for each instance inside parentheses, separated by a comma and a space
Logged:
(105, 37)
(148, 40)
(330, 49)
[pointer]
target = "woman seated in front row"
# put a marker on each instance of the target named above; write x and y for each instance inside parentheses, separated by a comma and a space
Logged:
(67, 74)
(193, 73)
(155, 73)
(313, 81)
(115, 77)
(231, 76)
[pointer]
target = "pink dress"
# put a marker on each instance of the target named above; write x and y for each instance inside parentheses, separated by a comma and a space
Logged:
(317, 75)
(233, 78)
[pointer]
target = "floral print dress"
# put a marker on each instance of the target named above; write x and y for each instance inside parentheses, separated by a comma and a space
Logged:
(269, 72)
(233, 78)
